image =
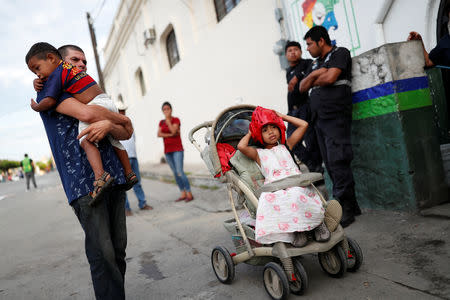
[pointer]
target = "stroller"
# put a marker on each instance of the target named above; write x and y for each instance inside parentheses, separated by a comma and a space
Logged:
(283, 272)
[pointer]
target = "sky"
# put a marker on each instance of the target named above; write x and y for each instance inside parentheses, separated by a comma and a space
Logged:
(23, 23)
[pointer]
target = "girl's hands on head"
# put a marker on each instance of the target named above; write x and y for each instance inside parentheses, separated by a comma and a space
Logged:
(282, 116)
(248, 151)
(277, 113)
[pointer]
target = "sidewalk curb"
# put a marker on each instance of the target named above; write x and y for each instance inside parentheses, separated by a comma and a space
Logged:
(195, 180)
(439, 211)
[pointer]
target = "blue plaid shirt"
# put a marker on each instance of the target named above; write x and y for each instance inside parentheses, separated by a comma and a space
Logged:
(74, 170)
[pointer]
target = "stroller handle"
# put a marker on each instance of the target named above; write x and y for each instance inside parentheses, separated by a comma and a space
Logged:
(194, 130)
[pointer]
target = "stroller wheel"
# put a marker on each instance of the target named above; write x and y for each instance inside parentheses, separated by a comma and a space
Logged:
(222, 264)
(334, 261)
(275, 281)
(299, 286)
(354, 256)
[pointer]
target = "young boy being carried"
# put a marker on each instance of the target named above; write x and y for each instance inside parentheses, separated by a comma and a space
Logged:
(60, 77)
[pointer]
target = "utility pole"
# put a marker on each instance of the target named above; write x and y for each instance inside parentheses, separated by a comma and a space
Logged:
(94, 45)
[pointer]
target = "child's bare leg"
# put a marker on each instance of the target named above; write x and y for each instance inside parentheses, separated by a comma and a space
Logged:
(94, 158)
(124, 160)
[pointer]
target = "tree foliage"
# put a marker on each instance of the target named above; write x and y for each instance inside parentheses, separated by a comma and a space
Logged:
(41, 165)
(8, 164)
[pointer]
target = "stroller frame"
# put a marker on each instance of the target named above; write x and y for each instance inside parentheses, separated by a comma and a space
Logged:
(334, 254)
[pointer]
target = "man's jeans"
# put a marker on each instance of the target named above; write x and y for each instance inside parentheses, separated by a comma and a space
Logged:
(175, 161)
(105, 241)
(137, 187)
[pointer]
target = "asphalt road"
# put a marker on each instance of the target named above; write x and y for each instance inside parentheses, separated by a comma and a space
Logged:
(168, 254)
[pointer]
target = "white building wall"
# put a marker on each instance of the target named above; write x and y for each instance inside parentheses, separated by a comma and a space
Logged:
(220, 63)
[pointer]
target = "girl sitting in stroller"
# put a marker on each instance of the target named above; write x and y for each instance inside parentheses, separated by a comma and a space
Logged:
(284, 215)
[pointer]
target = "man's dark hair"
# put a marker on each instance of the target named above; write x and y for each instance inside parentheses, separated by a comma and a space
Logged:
(318, 32)
(40, 50)
(26, 155)
(166, 103)
(63, 49)
(292, 44)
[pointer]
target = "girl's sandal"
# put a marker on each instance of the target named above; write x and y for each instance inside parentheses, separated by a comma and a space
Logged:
(100, 186)
(131, 181)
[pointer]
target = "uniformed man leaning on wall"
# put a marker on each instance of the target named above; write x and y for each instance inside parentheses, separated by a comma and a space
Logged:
(329, 88)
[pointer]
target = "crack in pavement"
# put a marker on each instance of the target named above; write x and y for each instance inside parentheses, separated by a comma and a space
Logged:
(430, 293)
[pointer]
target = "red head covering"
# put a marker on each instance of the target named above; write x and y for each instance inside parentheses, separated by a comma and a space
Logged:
(262, 116)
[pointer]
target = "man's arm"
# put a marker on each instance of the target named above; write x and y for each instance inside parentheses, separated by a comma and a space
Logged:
(95, 132)
(94, 113)
(292, 83)
(309, 80)
(43, 105)
(328, 77)
(339, 62)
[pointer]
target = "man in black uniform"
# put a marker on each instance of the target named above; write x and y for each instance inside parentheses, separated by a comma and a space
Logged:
(329, 88)
(298, 106)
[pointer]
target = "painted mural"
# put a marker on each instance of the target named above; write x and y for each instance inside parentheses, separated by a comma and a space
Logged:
(337, 16)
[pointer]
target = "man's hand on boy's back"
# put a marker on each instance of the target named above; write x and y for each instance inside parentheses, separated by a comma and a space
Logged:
(98, 130)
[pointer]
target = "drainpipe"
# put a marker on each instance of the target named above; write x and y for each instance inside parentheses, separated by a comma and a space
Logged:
(379, 21)
(278, 48)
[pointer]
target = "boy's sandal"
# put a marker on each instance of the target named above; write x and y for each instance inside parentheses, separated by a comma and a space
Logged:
(131, 181)
(100, 186)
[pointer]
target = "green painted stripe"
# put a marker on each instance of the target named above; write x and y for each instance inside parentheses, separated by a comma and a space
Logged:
(414, 99)
(391, 103)
(374, 107)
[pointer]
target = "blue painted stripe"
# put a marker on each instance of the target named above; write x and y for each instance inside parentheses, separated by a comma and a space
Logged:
(388, 88)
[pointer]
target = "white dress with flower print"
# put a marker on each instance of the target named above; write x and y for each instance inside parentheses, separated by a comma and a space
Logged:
(284, 212)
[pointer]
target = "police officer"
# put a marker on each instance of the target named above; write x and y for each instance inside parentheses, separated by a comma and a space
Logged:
(298, 106)
(329, 88)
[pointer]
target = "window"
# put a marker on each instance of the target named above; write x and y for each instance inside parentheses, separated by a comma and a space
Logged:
(223, 7)
(140, 80)
(172, 49)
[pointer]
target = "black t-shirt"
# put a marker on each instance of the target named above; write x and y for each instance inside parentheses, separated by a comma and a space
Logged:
(295, 98)
(440, 55)
(333, 101)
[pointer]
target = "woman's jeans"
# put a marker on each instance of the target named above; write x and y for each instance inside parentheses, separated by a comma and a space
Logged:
(175, 161)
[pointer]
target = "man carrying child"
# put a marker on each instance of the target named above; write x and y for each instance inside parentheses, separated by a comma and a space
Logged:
(104, 224)
(45, 61)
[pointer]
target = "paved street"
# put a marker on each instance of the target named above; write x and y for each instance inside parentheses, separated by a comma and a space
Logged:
(42, 251)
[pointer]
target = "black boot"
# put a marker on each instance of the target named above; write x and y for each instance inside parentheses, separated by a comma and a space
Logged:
(347, 218)
(356, 209)
(348, 214)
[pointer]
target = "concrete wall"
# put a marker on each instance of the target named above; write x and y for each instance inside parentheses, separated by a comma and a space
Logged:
(397, 161)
